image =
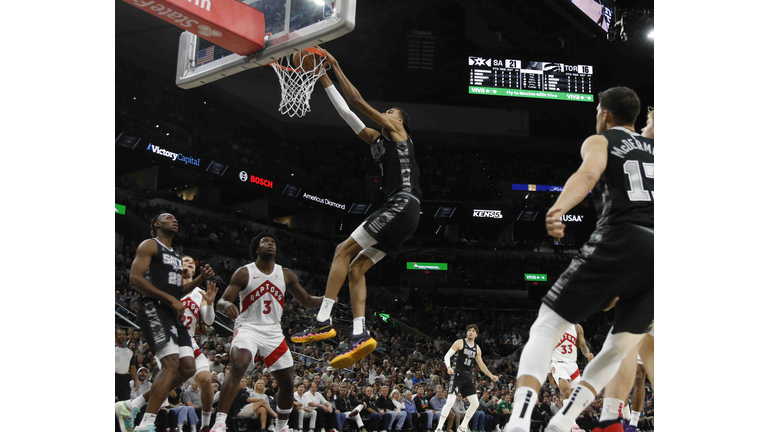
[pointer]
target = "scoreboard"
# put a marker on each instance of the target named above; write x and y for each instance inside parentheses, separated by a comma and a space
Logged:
(531, 79)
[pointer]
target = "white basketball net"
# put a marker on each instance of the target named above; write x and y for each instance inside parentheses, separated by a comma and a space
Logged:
(296, 84)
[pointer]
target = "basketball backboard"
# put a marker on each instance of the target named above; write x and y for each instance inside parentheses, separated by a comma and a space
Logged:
(290, 26)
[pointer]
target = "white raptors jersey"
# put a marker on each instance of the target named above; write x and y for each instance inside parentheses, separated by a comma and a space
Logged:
(566, 348)
(192, 303)
(262, 300)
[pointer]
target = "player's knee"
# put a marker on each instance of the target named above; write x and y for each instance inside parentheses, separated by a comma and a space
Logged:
(170, 363)
(566, 393)
(187, 369)
(356, 271)
(204, 380)
(342, 250)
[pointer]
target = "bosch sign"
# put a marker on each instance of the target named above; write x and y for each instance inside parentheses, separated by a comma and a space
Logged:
(258, 180)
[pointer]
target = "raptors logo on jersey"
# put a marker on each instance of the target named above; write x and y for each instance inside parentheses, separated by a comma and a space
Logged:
(192, 303)
(262, 300)
(566, 348)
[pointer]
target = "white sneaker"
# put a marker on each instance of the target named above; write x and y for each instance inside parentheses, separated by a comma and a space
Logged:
(271, 428)
(219, 427)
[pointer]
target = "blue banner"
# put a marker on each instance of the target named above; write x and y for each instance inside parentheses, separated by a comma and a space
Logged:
(537, 187)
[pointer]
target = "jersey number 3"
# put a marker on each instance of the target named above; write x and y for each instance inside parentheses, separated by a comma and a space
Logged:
(636, 190)
(267, 307)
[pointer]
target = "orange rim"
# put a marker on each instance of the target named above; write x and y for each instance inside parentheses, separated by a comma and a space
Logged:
(313, 50)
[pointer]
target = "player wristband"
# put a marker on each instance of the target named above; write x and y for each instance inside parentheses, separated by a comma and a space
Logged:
(208, 314)
(448, 356)
(341, 106)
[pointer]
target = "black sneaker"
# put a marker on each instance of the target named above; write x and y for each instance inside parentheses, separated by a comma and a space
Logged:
(318, 330)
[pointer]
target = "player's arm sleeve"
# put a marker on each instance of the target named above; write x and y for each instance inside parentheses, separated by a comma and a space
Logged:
(208, 314)
(448, 356)
(343, 109)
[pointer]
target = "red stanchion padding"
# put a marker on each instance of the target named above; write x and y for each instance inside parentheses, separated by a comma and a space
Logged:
(227, 23)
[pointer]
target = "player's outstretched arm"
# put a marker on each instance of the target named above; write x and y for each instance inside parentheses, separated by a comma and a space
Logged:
(395, 128)
(367, 134)
(594, 153)
(297, 291)
(582, 342)
(205, 273)
(144, 253)
(456, 347)
(483, 367)
(236, 284)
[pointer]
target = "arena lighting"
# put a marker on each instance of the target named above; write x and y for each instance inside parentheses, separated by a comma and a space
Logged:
(650, 35)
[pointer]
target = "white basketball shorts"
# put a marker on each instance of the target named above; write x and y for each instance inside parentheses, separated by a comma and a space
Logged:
(564, 370)
(267, 340)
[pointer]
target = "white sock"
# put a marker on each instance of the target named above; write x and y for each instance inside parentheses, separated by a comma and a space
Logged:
(206, 418)
(325, 309)
(579, 400)
(148, 420)
(611, 408)
(358, 325)
(138, 402)
(625, 411)
(281, 423)
(524, 402)
(221, 418)
(635, 418)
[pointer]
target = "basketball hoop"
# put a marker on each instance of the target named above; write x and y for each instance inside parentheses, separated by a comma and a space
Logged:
(297, 82)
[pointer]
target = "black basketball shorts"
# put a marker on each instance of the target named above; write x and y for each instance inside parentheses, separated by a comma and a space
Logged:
(159, 325)
(394, 223)
(615, 261)
(461, 384)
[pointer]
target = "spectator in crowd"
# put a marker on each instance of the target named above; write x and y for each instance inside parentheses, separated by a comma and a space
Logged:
(397, 401)
(304, 410)
(459, 409)
(437, 402)
(413, 417)
(487, 420)
(216, 365)
(347, 406)
(125, 368)
(542, 412)
(504, 409)
(262, 410)
(184, 413)
(422, 405)
(371, 411)
(142, 385)
(388, 410)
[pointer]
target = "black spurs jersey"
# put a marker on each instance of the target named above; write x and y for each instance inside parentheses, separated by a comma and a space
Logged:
(465, 359)
(624, 193)
(165, 271)
(397, 163)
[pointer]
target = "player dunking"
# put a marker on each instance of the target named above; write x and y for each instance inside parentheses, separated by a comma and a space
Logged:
(195, 303)
(157, 274)
(467, 352)
(383, 232)
(617, 260)
(262, 286)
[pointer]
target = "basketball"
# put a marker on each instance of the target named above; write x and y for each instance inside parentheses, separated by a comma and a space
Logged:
(304, 61)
